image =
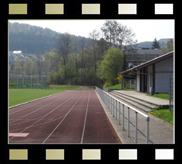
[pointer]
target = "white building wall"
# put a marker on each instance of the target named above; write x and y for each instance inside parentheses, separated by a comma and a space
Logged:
(149, 79)
(138, 81)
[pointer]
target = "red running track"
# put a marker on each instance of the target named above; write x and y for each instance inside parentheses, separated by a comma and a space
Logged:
(67, 117)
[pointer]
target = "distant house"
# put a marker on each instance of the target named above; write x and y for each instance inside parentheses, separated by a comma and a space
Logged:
(14, 55)
(153, 76)
(17, 52)
(133, 58)
(11, 57)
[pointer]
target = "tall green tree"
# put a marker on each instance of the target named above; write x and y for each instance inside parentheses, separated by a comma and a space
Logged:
(94, 36)
(155, 44)
(168, 48)
(110, 66)
(64, 46)
(102, 48)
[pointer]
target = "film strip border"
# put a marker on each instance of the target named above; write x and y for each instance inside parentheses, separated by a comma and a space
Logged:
(91, 154)
(90, 9)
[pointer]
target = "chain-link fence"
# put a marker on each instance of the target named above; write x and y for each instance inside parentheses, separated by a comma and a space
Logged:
(28, 82)
(129, 83)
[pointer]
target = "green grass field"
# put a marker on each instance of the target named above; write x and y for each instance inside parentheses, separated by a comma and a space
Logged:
(163, 114)
(18, 96)
(117, 86)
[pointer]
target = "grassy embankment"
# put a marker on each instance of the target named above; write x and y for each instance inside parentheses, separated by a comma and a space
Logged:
(163, 114)
(18, 96)
(162, 96)
(118, 86)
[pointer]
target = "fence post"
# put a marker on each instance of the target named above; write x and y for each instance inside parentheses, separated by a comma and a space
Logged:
(136, 126)
(113, 107)
(119, 112)
(107, 101)
(105, 97)
(147, 136)
(23, 81)
(123, 116)
(128, 121)
(31, 81)
(171, 93)
(37, 81)
(17, 81)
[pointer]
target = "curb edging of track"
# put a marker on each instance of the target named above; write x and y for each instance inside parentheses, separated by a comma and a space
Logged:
(104, 107)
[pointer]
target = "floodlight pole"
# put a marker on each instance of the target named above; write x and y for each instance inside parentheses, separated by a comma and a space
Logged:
(17, 81)
(23, 81)
(31, 81)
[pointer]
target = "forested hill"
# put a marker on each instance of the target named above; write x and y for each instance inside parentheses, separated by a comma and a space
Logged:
(37, 40)
(32, 39)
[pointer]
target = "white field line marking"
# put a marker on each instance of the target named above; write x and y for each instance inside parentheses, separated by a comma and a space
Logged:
(16, 119)
(62, 119)
(25, 120)
(28, 120)
(33, 104)
(35, 100)
(45, 115)
(18, 134)
(85, 119)
(40, 124)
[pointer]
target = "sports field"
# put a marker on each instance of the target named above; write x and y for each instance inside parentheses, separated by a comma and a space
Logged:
(72, 116)
(18, 96)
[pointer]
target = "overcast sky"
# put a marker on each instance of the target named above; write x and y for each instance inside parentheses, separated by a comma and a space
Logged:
(145, 30)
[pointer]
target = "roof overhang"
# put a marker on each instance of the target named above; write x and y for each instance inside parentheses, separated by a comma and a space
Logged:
(148, 63)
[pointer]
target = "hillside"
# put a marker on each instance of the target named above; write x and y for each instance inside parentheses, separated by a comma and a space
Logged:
(148, 44)
(32, 39)
(36, 40)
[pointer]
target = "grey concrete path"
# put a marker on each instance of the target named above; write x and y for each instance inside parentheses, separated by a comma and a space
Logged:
(144, 97)
(160, 132)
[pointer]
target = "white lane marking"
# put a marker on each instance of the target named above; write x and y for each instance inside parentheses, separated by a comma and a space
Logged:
(44, 116)
(16, 119)
(40, 124)
(32, 101)
(62, 119)
(85, 119)
(18, 134)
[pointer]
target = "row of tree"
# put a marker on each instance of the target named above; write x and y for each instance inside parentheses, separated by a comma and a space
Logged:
(82, 62)
(97, 62)
(93, 61)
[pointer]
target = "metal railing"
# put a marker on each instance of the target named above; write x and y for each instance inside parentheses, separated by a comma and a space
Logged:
(110, 100)
(171, 93)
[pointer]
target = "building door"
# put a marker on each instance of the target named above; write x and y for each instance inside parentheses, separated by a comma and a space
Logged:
(143, 80)
(145, 83)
